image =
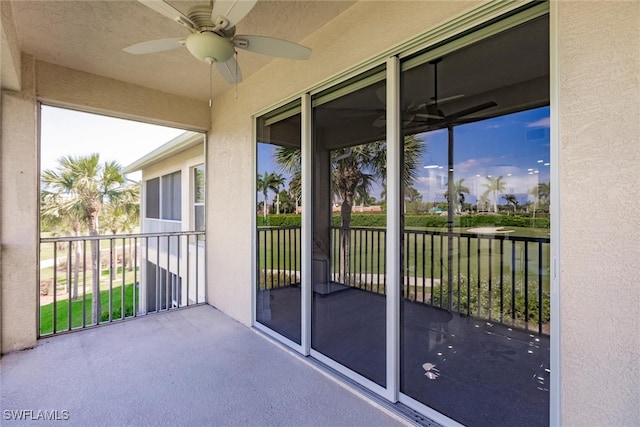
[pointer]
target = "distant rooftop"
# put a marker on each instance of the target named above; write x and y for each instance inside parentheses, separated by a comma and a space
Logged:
(178, 144)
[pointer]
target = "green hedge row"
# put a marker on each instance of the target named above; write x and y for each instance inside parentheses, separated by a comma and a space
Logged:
(435, 221)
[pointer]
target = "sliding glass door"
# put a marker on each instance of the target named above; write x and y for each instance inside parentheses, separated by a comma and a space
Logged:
(348, 277)
(475, 297)
(278, 239)
(439, 295)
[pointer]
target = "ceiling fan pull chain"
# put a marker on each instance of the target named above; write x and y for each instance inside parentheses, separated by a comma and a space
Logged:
(210, 61)
(235, 53)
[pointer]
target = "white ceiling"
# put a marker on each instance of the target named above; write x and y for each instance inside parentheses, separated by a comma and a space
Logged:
(90, 35)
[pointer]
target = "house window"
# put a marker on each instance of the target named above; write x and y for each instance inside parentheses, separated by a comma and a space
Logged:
(171, 196)
(163, 197)
(153, 198)
(198, 199)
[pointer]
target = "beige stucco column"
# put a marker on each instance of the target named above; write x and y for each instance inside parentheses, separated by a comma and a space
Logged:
(19, 214)
(599, 197)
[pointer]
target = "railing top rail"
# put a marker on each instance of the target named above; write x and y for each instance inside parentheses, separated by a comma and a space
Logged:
(505, 236)
(285, 227)
(120, 236)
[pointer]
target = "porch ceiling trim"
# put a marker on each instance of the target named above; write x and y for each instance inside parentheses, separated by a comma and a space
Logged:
(69, 88)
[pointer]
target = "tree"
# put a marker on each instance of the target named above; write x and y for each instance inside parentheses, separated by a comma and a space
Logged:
(412, 195)
(495, 187)
(512, 200)
(122, 214)
(544, 192)
(277, 182)
(353, 170)
(285, 201)
(269, 181)
(60, 215)
(459, 190)
(85, 185)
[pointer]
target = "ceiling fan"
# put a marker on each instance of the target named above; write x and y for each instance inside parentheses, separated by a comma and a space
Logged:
(213, 37)
(430, 114)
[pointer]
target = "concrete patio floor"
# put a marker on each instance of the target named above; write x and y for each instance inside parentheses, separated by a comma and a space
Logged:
(191, 367)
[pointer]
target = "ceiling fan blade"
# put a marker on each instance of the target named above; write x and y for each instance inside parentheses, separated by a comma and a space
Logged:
(272, 47)
(155, 46)
(165, 9)
(471, 110)
(429, 116)
(230, 70)
(442, 100)
(231, 10)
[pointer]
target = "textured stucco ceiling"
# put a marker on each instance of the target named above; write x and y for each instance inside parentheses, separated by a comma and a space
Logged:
(90, 35)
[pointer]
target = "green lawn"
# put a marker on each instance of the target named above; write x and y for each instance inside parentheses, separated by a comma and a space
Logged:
(425, 256)
(62, 309)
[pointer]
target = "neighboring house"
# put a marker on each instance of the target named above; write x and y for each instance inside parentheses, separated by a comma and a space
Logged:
(65, 55)
(172, 200)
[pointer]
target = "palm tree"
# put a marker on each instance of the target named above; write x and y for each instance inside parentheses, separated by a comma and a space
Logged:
(511, 199)
(353, 171)
(495, 186)
(264, 184)
(86, 185)
(63, 217)
(544, 192)
(459, 190)
(122, 214)
(534, 193)
(277, 182)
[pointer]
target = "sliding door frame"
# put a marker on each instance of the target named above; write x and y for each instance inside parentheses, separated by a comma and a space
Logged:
(481, 22)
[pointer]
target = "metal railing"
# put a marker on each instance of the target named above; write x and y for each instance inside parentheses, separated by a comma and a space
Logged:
(87, 281)
(499, 278)
(279, 267)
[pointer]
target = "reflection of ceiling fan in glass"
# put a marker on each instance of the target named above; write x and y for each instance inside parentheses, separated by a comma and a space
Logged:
(213, 37)
(429, 113)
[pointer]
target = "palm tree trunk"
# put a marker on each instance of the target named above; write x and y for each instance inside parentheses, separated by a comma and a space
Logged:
(95, 281)
(95, 266)
(264, 206)
(345, 240)
(76, 269)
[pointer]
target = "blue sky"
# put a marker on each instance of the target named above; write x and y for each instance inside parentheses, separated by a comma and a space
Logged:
(67, 132)
(514, 146)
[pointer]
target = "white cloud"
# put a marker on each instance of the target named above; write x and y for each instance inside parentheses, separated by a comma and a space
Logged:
(544, 122)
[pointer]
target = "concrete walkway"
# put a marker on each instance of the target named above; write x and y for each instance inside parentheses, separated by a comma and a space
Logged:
(192, 367)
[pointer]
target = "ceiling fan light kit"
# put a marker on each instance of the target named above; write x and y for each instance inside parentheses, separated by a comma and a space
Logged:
(213, 36)
(209, 47)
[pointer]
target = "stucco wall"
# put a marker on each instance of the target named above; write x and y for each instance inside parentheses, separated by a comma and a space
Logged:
(361, 32)
(599, 62)
(19, 214)
(76, 89)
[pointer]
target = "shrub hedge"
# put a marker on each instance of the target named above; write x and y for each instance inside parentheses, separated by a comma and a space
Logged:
(436, 221)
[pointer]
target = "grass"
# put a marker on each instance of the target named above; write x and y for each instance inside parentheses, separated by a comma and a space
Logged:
(80, 306)
(424, 255)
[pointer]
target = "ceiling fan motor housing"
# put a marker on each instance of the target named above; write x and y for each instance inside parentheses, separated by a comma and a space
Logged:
(209, 47)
